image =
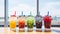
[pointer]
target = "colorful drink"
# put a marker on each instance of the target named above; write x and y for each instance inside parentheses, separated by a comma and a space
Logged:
(30, 22)
(47, 21)
(12, 21)
(38, 21)
(21, 22)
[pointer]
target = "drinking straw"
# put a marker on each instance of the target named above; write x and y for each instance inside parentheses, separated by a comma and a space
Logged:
(30, 13)
(22, 13)
(15, 13)
(48, 13)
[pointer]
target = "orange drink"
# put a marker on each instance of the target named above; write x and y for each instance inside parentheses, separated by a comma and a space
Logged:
(21, 22)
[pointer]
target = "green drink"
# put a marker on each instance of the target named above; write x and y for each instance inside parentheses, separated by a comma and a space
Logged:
(30, 22)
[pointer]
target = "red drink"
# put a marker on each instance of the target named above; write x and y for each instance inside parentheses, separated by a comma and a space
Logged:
(47, 21)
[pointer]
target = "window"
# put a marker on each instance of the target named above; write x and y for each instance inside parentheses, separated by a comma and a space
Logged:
(31, 5)
(22, 5)
(1, 13)
(53, 6)
(26, 6)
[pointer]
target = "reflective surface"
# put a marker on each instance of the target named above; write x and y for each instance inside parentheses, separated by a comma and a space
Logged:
(6, 30)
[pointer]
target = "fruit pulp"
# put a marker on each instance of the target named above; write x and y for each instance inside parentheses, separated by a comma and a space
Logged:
(13, 24)
(30, 22)
(21, 22)
(47, 21)
(38, 21)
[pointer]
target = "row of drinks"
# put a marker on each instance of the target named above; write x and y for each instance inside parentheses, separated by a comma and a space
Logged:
(30, 20)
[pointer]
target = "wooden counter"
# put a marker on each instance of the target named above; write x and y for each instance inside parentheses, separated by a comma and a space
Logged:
(6, 30)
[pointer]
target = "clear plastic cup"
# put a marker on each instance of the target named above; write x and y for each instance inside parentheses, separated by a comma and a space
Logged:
(12, 22)
(30, 23)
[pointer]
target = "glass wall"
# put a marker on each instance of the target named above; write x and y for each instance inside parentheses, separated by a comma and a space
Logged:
(1, 13)
(53, 6)
(26, 6)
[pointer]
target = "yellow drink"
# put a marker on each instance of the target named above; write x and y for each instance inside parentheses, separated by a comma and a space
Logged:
(12, 21)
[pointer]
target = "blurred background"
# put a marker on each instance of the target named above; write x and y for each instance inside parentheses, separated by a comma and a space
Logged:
(53, 6)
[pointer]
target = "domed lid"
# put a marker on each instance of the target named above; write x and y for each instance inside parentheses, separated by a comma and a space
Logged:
(14, 15)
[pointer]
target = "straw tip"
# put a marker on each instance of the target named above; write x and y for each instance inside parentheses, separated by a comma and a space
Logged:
(15, 13)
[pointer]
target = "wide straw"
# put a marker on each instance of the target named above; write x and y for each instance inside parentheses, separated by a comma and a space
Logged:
(15, 13)
(48, 13)
(30, 13)
(22, 13)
